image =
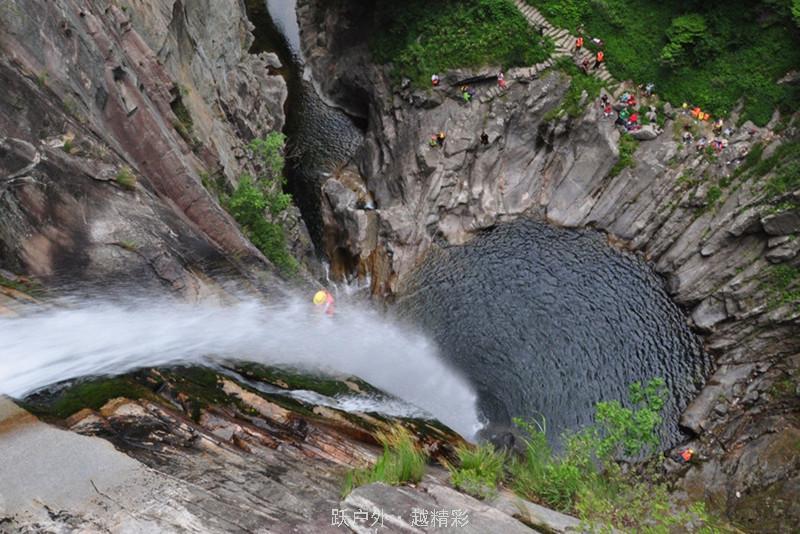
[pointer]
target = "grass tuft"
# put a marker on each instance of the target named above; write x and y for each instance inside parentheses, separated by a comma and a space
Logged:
(126, 179)
(402, 461)
(480, 470)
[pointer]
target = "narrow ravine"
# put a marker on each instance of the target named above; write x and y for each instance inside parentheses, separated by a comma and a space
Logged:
(321, 137)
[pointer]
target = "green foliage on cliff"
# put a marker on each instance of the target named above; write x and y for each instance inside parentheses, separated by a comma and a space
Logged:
(627, 148)
(402, 461)
(125, 178)
(705, 53)
(256, 204)
(783, 285)
(573, 104)
(422, 38)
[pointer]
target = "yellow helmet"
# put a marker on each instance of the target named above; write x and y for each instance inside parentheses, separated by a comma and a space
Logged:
(320, 297)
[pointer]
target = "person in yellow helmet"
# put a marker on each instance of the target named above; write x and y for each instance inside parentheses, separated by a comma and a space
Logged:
(324, 300)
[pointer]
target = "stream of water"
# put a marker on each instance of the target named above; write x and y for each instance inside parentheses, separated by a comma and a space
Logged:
(85, 338)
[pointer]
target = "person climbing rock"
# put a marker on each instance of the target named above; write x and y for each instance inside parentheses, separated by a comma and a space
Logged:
(324, 301)
(465, 94)
(579, 43)
(585, 65)
(434, 141)
(484, 138)
(599, 58)
(440, 137)
(501, 81)
(686, 455)
(435, 80)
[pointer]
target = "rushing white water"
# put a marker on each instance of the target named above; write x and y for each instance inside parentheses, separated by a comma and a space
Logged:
(104, 338)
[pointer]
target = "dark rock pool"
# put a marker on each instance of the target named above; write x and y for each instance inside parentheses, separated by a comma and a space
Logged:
(547, 321)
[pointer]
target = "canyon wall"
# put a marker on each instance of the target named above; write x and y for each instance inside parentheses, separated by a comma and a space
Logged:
(712, 233)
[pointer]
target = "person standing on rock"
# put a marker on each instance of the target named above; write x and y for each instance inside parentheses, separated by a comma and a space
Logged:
(501, 81)
(484, 138)
(435, 80)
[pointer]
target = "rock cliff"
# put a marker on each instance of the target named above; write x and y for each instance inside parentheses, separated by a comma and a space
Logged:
(112, 119)
(713, 233)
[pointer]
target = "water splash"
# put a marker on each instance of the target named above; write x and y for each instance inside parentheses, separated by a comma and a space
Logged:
(107, 338)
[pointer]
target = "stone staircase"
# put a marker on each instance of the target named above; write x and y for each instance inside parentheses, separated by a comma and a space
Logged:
(565, 42)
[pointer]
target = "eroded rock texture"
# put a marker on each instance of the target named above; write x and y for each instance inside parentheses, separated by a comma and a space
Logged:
(111, 120)
(717, 255)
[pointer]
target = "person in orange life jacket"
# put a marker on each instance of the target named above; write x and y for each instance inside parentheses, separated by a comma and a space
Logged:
(324, 301)
(579, 43)
(599, 59)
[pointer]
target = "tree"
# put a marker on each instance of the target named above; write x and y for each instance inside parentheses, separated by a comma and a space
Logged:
(689, 41)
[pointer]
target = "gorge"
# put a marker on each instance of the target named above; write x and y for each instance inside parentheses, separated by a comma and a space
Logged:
(529, 276)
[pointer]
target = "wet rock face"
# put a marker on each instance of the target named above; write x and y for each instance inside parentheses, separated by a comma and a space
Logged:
(193, 450)
(716, 255)
(110, 119)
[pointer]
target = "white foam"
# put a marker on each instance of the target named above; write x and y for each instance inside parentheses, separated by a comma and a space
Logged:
(106, 338)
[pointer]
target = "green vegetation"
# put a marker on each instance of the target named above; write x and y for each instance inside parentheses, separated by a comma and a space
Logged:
(125, 178)
(627, 148)
(22, 285)
(127, 244)
(90, 394)
(705, 53)
(253, 198)
(712, 196)
(402, 461)
(421, 38)
(783, 285)
(479, 470)
(290, 379)
(587, 480)
(183, 122)
(574, 103)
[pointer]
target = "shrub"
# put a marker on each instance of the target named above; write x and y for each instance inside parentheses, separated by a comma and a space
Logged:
(401, 461)
(479, 471)
(270, 151)
(247, 205)
(560, 481)
(125, 178)
(253, 199)
(689, 41)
